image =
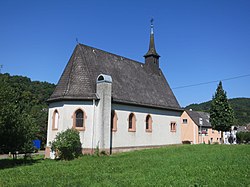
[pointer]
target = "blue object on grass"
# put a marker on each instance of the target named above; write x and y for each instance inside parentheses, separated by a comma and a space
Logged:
(37, 144)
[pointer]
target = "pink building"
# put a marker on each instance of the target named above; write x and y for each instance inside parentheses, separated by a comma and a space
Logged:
(196, 128)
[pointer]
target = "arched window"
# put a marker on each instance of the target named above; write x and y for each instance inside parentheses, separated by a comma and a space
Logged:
(148, 123)
(113, 121)
(79, 119)
(131, 123)
(55, 120)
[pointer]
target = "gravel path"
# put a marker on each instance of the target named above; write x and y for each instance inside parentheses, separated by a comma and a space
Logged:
(4, 156)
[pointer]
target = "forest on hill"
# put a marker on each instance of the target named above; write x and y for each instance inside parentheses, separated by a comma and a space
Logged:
(241, 107)
(31, 96)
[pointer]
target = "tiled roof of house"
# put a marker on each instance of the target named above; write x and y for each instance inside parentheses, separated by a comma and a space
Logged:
(133, 82)
(195, 115)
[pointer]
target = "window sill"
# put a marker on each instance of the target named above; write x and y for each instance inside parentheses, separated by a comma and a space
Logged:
(149, 130)
(54, 129)
(80, 128)
(131, 130)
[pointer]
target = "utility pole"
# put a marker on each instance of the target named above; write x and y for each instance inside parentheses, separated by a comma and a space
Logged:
(1, 66)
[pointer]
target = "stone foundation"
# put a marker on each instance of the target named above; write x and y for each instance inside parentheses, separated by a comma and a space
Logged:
(89, 151)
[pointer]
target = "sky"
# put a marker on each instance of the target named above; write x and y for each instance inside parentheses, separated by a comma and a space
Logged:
(199, 41)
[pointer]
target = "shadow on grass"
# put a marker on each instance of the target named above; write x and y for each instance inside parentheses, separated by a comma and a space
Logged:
(11, 163)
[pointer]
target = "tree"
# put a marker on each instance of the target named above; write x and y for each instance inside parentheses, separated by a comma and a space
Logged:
(221, 113)
(18, 128)
(21, 95)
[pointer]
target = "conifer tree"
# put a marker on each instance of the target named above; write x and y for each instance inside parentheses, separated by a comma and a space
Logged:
(221, 113)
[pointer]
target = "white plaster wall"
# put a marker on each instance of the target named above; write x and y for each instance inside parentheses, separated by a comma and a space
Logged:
(66, 110)
(160, 135)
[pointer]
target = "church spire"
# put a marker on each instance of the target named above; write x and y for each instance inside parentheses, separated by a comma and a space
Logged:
(152, 26)
(152, 57)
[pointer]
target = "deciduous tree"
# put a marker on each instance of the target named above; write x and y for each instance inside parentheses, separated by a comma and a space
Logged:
(18, 128)
(21, 95)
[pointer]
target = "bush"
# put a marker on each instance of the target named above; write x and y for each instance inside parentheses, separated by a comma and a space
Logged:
(243, 137)
(67, 145)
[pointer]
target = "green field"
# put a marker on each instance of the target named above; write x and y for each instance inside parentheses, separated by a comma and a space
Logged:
(184, 165)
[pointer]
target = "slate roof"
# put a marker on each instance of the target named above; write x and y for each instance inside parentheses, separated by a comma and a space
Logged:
(133, 82)
(195, 115)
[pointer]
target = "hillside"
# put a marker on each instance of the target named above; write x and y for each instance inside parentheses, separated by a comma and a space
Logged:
(241, 107)
(32, 95)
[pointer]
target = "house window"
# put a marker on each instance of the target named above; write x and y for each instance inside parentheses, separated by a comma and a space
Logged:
(131, 123)
(173, 126)
(113, 121)
(148, 123)
(79, 119)
(55, 120)
(184, 121)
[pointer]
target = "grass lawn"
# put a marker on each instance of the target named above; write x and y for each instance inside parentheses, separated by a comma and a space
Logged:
(184, 165)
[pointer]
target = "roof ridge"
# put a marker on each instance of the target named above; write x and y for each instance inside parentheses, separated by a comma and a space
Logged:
(141, 63)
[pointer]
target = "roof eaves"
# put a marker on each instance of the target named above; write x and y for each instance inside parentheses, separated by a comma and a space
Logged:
(72, 98)
(147, 105)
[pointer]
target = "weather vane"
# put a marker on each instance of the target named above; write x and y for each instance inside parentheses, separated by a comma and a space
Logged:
(77, 41)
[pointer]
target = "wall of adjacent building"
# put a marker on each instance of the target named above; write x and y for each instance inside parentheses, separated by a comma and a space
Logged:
(190, 132)
(212, 136)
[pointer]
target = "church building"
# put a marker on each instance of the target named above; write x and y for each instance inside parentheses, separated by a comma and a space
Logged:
(117, 104)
